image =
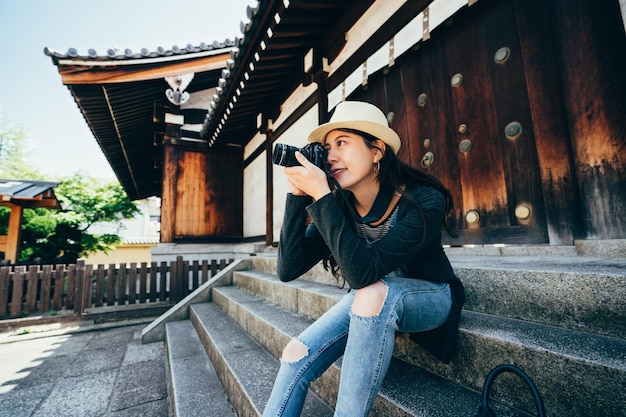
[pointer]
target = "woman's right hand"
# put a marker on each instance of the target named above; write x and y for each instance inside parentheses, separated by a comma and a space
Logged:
(307, 179)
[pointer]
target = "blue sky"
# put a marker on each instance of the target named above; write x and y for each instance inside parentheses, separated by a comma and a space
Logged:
(32, 95)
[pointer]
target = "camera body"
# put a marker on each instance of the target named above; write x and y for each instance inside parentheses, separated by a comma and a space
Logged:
(285, 155)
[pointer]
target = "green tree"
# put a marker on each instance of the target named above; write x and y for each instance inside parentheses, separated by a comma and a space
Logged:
(14, 151)
(61, 236)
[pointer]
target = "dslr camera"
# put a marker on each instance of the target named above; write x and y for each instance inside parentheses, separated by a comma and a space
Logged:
(285, 155)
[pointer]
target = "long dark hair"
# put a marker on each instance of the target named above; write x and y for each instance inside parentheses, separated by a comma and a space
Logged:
(395, 174)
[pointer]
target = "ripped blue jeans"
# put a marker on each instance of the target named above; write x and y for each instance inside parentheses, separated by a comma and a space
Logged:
(366, 343)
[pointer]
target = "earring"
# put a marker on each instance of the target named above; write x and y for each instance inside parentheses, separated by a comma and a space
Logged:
(377, 166)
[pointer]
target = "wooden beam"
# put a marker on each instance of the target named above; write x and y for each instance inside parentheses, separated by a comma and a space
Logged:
(106, 74)
(32, 203)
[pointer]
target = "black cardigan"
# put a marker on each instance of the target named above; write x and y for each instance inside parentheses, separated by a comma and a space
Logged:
(413, 244)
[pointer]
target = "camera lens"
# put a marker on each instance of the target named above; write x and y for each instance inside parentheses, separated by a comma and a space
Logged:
(284, 155)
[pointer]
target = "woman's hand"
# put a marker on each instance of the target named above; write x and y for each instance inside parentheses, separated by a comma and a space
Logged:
(307, 179)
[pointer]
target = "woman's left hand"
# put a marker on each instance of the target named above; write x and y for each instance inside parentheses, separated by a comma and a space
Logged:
(308, 178)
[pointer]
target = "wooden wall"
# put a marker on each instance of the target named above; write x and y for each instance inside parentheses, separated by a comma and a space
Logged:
(591, 58)
(202, 195)
(562, 82)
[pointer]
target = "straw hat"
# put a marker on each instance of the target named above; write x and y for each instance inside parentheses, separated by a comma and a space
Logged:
(360, 116)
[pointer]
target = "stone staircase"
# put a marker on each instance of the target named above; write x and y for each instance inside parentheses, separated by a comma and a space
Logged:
(562, 319)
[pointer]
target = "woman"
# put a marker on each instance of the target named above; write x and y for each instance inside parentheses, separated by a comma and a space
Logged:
(381, 230)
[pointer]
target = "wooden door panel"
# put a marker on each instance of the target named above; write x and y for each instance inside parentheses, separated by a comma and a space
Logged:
(545, 96)
(428, 129)
(474, 119)
(511, 100)
(396, 109)
(206, 188)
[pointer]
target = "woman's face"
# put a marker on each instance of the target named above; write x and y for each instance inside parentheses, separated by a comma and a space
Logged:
(351, 160)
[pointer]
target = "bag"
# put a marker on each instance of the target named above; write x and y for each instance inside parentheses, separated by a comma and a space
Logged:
(485, 411)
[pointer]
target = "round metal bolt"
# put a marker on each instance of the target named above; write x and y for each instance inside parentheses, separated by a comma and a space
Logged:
(522, 212)
(513, 130)
(472, 217)
(465, 146)
(502, 55)
(456, 80)
(422, 99)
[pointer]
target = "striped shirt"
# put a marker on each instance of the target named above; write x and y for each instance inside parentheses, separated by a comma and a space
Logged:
(374, 233)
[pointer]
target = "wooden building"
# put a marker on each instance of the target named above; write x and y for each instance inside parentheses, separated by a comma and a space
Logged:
(517, 106)
(17, 195)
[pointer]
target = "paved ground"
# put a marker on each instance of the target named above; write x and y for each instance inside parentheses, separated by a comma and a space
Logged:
(94, 372)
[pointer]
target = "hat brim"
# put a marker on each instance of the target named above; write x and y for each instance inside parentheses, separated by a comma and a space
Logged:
(386, 134)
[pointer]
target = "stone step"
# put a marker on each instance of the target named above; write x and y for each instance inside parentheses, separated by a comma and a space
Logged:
(407, 390)
(246, 370)
(194, 389)
(578, 293)
(485, 341)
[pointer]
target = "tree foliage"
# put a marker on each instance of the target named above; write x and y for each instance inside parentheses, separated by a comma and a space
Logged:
(14, 152)
(61, 236)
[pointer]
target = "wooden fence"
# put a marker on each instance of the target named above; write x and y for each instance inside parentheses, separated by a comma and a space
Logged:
(41, 289)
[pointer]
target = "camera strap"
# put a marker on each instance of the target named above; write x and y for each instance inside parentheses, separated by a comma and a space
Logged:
(381, 203)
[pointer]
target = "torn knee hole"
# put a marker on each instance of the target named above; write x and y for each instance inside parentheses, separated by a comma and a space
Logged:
(369, 301)
(294, 351)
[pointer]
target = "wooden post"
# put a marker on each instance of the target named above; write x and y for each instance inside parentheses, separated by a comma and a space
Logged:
(31, 289)
(59, 280)
(4, 290)
(99, 285)
(213, 267)
(79, 289)
(111, 285)
(143, 284)
(195, 269)
(88, 291)
(269, 180)
(46, 284)
(186, 280)
(163, 282)
(180, 281)
(14, 234)
(153, 282)
(18, 291)
(122, 285)
(205, 271)
(132, 283)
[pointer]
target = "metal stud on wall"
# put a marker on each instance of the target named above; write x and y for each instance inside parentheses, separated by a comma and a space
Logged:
(456, 80)
(523, 212)
(513, 130)
(472, 217)
(502, 55)
(465, 146)
(427, 160)
(422, 99)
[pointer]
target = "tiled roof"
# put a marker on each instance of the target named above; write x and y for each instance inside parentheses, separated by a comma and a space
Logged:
(128, 54)
(28, 193)
(122, 96)
(141, 240)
